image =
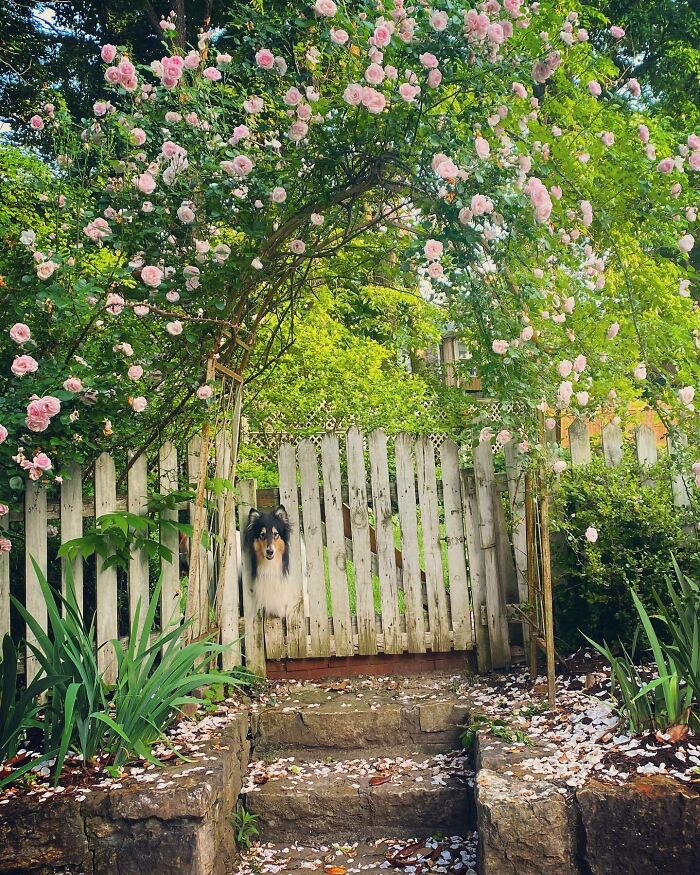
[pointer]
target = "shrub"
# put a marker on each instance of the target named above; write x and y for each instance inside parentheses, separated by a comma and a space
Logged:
(638, 528)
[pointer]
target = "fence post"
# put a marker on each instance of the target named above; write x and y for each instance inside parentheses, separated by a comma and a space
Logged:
(361, 549)
(495, 597)
(254, 629)
(516, 495)
(647, 454)
(170, 571)
(137, 503)
(477, 570)
(72, 527)
(580, 443)
(456, 554)
(106, 578)
(289, 499)
(228, 608)
(35, 534)
(612, 444)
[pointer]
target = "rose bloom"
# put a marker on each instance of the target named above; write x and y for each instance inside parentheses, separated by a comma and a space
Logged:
(42, 462)
(353, 94)
(559, 466)
(298, 247)
(433, 250)
(339, 36)
(253, 105)
(4, 510)
(613, 330)
(3, 434)
(482, 147)
(591, 534)
(174, 328)
(185, 214)
(36, 122)
(686, 394)
(212, 74)
(145, 183)
(527, 333)
(278, 195)
(139, 404)
(46, 269)
(500, 347)
(686, 243)
(5, 545)
(73, 384)
(327, 8)
(24, 364)
(135, 372)
(265, 59)
(292, 96)
(428, 60)
(434, 78)
(151, 276)
(20, 332)
(138, 135)
(108, 53)
(438, 21)
(204, 393)
(640, 372)
(594, 88)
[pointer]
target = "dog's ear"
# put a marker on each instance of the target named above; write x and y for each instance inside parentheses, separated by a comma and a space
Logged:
(281, 513)
(253, 514)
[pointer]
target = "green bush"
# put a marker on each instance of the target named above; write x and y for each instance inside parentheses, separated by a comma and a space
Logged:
(638, 528)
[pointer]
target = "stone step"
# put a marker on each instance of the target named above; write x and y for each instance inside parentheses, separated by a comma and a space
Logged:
(409, 794)
(327, 724)
(454, 854)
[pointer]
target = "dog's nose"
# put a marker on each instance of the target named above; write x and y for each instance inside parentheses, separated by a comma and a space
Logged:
(269, 552)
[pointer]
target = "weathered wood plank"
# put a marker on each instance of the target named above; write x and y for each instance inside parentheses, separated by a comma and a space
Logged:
(408, 520)
(386, 558)
(430, 524)
(361, 552)
(580, 443)
(137, 503)
(198, 583)
(228, 607)
(456, 556)
(106, 578)
(647, 453)
(477, 570)
(680, 483)
(35, 548)
(335, 543)
(612, 444)
(516, 497)
(72, 527)
(296, 617)
(495, 597)
(170, 571)
(254, 640)
(313, 539)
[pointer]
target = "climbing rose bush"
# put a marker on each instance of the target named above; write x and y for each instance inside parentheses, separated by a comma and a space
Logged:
(490, 150)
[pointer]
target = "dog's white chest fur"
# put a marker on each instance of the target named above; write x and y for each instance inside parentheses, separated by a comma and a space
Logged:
(271, 588)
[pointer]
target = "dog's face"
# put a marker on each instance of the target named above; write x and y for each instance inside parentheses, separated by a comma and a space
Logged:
(267, 535)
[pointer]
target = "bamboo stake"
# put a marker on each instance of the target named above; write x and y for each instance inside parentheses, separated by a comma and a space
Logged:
(531, 535)
(547, 597)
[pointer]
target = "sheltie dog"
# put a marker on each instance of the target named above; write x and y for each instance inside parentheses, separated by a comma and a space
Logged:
(266, 546)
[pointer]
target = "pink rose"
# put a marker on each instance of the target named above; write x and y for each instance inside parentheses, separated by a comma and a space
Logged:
(139, 404)
(253, 105)
(408, 92)
(382, 36)
(4, 510)
(24, 364)
(591, 535)
(46, 269)
(339, 36)
(500, 347)
(613, 330)
(428, 60)
(434, 79)
(174, 328)
(616, 32)
(278, 195)
(186, 214)
(527, 333)
(326, 8)
(138, 135)
(374, 74)
(640, 372)
(20, 332)
(686, 243)
(353, 94)
(36, 122)
(265, 59)
(145, 183)
(135, 372)
(212, 74)
(594, 88)
(686, 395)
(108, 53)
(433, 250)
(298, 247)
(73, 384)
(3, 434)
(582, 398)
(565, 367)
(438, 21)
(482, 147)
(242, 165)
(580, 363)
(666, 165)
(518, 90)
(204, 393)
(5, 545)
(559, 466)
(643, 133)
(42, 462)
(151, 276)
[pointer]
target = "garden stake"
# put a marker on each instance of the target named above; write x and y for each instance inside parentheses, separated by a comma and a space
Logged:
(530, 535)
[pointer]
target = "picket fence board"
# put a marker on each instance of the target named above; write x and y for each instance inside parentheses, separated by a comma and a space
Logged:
(227, 598)
(386, 557)
(412, 583)
(516, 496)
(106, 578)
(296, 617)
(170, 571)
(137, 503)
(72, 527)
(647, 454)
(613, 444)
(361, 550)
(198, 598)
(680, 483)
(36, 549)
(313, 539)
(477, 569)
(456, 555)
(580, 443)
(4, 581)
(495, 596)
(254, 640)
(335, 544)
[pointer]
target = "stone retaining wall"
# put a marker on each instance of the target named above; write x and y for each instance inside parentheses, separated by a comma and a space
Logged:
(174, 826)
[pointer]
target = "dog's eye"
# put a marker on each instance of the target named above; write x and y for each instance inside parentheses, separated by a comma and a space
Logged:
(262, 535)
(275, 535)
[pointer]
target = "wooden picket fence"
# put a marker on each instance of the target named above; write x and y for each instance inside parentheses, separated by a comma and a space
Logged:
(420, 542)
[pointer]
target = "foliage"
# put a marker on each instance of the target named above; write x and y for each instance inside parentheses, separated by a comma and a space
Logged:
(245, 825)
(19, 710)
(68, 652)
(637, 528)
(495, 726)
(667, 693)
(155, 675)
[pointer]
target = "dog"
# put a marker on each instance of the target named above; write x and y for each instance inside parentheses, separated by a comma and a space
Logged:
(266, 546)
